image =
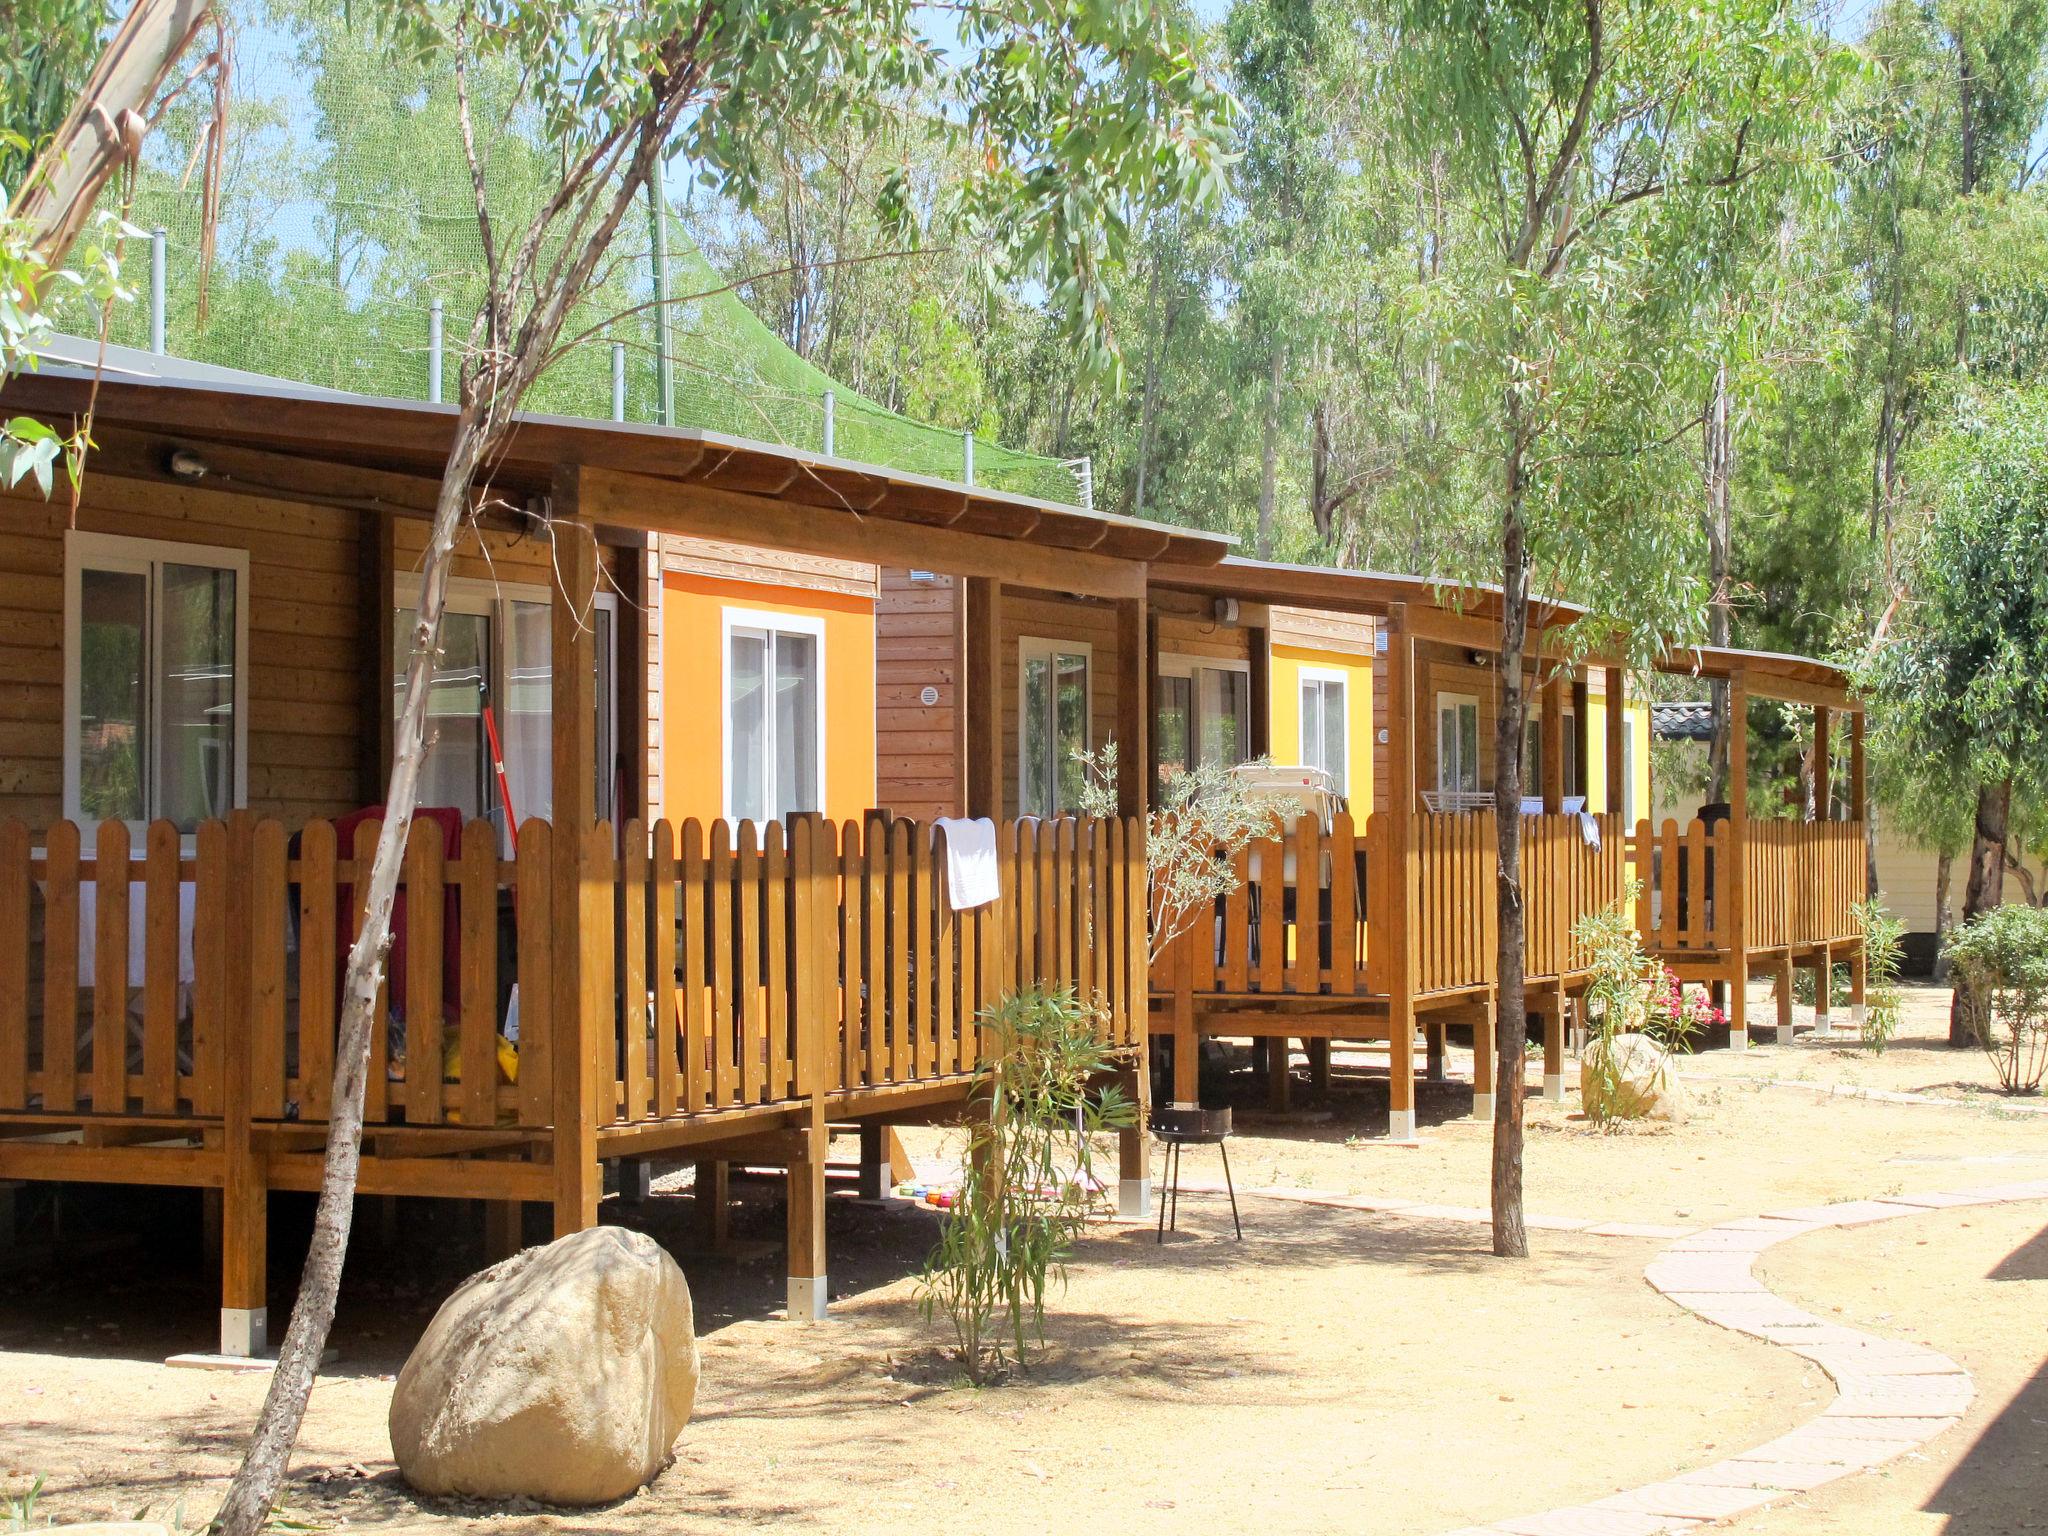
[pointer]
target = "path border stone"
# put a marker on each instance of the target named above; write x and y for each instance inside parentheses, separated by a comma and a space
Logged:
(1892, 1396)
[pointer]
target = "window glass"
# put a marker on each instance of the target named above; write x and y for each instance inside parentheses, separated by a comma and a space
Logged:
(196, 695)
(456, 772)
(1170, 724)
(747, 725)
(158, 637)
(1572, 783)
(796, 724)
(113, 627)
(1532, 756)
(1034, 789)
(1325, 730)
(1226, 716)
(524, 712)
(1457, 745)
(1071, 730)
(1628, 770)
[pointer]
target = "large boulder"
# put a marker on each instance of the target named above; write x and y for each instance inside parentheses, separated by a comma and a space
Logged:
(1641, 1084)
(562, 1375)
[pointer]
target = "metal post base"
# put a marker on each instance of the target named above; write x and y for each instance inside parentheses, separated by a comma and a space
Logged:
(244, 1331)
(1553, 1087)
(1482, 1106)
(1400, 1125)
(808, 1295)
(1134, 1199)
(1785, 1033)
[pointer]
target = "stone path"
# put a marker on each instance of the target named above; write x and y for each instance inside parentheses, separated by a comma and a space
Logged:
(1892, 1396)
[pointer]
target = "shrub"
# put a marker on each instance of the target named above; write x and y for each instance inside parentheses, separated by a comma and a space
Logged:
(1201, 819)
(1999, 960)
(1628, 993)
(1030, 1182)
(1883, 938)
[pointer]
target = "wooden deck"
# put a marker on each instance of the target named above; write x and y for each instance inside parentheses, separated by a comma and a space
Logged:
(740, 990)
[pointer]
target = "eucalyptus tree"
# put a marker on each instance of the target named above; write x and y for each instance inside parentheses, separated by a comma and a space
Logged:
(1593, 151)
(1075, 112)
(1963, 673)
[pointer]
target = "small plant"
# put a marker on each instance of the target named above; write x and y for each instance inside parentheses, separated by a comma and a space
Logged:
(1030, 1182)
(1883, 938)
(19, 1512)
(2000, 963)
(1202, 819)
(1628, 993)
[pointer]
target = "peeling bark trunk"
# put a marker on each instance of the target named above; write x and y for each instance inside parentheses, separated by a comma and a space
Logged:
(1986, 886)
(1720, 468)
(1510, 1234)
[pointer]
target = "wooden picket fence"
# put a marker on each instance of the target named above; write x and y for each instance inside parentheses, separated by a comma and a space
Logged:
(1803, 878)
(1323, 914)
(797, 960)
(1682, 904)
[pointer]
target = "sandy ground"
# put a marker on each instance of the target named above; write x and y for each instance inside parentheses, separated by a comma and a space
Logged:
(1338, 1371)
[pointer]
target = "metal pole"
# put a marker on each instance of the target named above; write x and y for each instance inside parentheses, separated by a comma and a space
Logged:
(664, 378)
(967, 457)
(829, 404)
(618, 381)
(434, 353)
(156, 291)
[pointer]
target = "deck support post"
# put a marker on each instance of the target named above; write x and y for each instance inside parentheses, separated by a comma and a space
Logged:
(1401, 1071)
(1553, 1046)
(1433, 1047)
(808, 1291)
(244, 1311)
(714, 1202)
(1734, 879)
(1823, 986)
(1134, 1148)
(636, 1180)
(582, 905)
(1318, 1063)
(504, 1229)
(872, 1168)
(1784, 991)
(1279, 1079)
(1482, 1060)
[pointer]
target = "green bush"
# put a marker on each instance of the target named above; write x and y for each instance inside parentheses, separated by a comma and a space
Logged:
(1999, 960)
(1030, 1182)
(1883, 948)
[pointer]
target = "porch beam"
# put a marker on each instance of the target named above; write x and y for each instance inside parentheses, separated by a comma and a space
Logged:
(666, 506)
(1133, 714)
(983, 686)
(1617, 740)
(577, 1187)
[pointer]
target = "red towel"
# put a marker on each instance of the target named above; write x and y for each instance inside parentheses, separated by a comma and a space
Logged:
(449, 819)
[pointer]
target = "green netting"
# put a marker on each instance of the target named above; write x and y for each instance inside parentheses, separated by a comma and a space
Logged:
(346, 212)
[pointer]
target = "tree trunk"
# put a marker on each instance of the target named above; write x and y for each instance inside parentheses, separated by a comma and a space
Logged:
(1269, 453)
(256, 1484)
(1944, 880)
(1986, 887)
(1510, 1236)
(1720, 467)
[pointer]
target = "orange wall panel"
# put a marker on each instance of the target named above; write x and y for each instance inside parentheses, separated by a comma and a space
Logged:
(693, 680)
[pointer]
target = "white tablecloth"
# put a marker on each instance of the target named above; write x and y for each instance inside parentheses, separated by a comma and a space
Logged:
(138, 933)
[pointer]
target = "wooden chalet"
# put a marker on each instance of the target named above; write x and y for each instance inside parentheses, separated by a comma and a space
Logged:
(198, 687)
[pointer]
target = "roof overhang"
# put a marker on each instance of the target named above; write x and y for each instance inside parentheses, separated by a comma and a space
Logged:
(138, 391)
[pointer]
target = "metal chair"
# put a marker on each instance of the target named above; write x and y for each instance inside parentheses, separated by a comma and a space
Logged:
(1179, 1126)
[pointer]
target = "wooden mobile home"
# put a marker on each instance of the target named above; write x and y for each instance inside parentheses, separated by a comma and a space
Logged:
(197, 708)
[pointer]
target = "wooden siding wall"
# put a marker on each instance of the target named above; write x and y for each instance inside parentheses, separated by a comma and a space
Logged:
(918, 746)
(1045, 616)
(306, 695)
(1203, 638)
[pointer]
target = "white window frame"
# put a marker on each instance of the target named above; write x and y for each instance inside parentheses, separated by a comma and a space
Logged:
(734, 617)
(119, 552)
(1342, 679)
(1453, 698)
(1192, 668)
(493, 600)
(1048, 650)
